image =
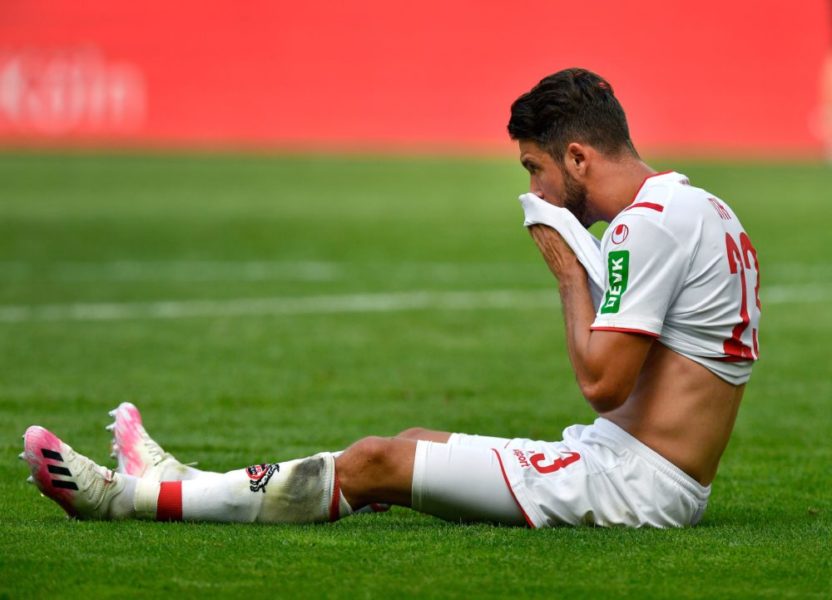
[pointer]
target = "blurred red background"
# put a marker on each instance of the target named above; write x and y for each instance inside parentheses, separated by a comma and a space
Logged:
(695, 77)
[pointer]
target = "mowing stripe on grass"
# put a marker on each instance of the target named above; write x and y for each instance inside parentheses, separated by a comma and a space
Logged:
(132, 271)
(181, 271)
(174, 270)
(345, 303)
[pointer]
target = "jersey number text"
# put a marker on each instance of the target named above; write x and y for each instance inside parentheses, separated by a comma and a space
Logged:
(740, 257)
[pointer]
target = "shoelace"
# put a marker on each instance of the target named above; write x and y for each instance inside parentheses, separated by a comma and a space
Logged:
(100, 481)
(156, 453)
(159, 456)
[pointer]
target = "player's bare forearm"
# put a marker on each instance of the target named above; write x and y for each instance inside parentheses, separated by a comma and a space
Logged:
(578, 312)
(606, 364)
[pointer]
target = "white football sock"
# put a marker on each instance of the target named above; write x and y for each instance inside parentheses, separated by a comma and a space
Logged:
(298, 491)
(121, 503)
(173, 470)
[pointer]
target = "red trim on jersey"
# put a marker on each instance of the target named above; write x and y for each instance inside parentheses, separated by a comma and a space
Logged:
(169, 503)
(652, 205)
(624, 330)
(335, 503)
(638, 191)
(511, 491)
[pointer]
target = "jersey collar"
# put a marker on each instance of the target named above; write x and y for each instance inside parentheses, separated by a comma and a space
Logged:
(656, 178)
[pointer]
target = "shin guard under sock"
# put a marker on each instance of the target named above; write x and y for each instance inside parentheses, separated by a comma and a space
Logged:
(298, 491)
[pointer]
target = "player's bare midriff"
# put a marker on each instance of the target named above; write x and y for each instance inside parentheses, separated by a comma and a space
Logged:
(682, 411)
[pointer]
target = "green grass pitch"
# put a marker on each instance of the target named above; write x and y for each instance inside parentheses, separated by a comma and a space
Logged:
(259, 308)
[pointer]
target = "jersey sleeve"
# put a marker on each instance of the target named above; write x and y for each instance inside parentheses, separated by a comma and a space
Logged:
(645, 268)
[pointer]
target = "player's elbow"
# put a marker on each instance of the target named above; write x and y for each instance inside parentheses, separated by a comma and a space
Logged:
(603, 395)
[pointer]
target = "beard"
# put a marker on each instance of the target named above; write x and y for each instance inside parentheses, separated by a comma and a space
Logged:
(575, 200)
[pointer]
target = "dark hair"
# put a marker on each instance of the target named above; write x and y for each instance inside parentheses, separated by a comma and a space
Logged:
(573, 105)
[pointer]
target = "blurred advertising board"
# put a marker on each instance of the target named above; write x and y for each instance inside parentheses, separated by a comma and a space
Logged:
(695, 77)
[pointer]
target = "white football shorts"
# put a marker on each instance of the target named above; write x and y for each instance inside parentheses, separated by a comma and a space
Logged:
(598, 475)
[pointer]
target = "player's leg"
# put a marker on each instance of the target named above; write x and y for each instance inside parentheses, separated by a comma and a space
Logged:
(314, 489)
(448, 481)
(451, 482)
(297, 491)
(140, 455)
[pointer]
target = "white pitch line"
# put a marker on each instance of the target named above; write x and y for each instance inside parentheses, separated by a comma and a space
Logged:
(807, 293)
(304, 305)
(344, 303)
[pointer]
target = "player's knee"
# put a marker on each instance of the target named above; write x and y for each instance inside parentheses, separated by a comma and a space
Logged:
(376, 469)
(372, 460)
(371, 452)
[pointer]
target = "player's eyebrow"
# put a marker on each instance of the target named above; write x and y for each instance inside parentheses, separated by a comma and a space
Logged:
(528, 164)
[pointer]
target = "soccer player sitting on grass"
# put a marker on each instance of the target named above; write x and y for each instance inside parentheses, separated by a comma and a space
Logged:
(663, 360)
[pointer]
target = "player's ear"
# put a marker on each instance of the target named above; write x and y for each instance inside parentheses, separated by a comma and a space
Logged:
(577, 158)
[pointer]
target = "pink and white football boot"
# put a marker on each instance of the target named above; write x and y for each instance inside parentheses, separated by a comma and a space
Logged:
(138, 454)
(82, 488)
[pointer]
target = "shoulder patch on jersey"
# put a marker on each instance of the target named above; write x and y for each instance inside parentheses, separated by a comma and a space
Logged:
(619, 233)
(618, 272)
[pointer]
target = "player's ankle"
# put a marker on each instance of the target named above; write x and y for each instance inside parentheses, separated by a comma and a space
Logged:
(121, 504)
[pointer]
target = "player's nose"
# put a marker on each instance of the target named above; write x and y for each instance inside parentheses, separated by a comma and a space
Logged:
(536, 189)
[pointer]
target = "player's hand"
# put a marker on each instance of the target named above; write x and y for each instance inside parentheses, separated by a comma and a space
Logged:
(558, 255)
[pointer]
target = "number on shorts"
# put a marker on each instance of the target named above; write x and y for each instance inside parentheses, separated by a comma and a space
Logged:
(559, 463)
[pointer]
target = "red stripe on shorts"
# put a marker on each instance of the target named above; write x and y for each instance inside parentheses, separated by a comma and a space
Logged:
(169, 504)
(511, 491)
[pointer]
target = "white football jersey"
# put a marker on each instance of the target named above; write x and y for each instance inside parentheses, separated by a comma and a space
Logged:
(681, 268)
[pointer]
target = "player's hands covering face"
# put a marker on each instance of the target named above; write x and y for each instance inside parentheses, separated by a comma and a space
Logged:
(558, 255)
